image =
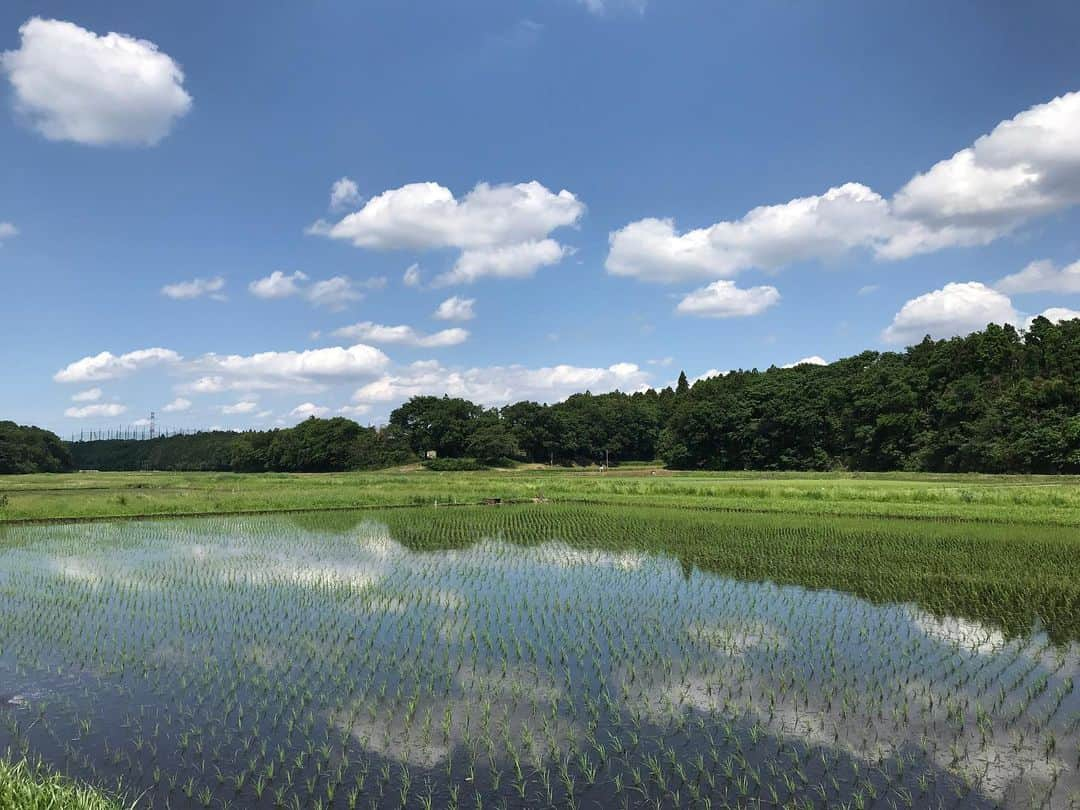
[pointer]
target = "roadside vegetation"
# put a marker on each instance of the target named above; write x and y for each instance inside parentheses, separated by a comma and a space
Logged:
(26, 787)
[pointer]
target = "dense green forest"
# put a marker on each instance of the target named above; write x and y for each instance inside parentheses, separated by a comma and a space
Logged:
(26, 449)
(1000, 400)
(315, 445)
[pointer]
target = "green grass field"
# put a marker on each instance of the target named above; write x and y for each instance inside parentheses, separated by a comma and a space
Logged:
(1028, 500)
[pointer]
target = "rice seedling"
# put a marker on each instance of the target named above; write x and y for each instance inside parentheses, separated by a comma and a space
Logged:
(561, 656)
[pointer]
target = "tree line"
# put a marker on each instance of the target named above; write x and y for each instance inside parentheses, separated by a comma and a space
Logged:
(999, 400)
(25, 449)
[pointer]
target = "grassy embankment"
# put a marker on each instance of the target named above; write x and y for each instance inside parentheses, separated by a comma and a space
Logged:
(1031, 500)
(25, 788)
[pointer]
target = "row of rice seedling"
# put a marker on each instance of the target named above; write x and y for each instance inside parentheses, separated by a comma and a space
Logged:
(536, 656)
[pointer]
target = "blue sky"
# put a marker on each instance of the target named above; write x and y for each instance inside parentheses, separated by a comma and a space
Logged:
(621, 189)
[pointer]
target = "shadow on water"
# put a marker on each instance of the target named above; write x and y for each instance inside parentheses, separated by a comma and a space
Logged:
(497, 658)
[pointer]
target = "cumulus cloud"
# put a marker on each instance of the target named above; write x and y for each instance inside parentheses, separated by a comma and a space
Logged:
(344, 193)
(812, 360)
(354, 410)
(243, 406)
(405, 335)
(71, 84)
(89, 395)
(495, 385)
(309, 409)
(177, 405)
(206, 385)
(502, 230)
(955, 309)
(1026, 167)
(411, 276)
(1054, 315)
(455, 308)
(196, 288)
(705, 375)
(1043, 276)
(89, 411)
(767, 237)
(285, 370)
(7, 231)
(278, 285)
(504, 261)
(108, 366)
(333, 293)
(722, 299)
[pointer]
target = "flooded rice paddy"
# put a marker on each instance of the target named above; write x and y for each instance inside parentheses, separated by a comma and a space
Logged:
(312, 663)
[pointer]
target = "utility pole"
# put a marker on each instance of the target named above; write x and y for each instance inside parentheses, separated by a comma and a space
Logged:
(151, 424)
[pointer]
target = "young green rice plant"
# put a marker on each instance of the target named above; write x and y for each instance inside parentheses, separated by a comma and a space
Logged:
(633, 653)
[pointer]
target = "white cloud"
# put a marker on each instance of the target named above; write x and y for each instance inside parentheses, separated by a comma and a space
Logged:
(108, 366)
(955, 309)
(206, 385)
(767, 237)
(722, 299)
(1043, 276)
(177, 405)
(405, 335)
(455, 308)
(243, 406)
(706, 375)
(812, 360)
(285, 370)
(73, 85)
(426, 215)
(344, 193)
(1054, 315)
(504, 261)
(88, 411)
(494, 385)
(411, 277)
(278, 285)
(867, 289)
(1027, 166)
(333, 293)
(197, 287)
(503, 230)
(354, 410)
(309, 409)
(89, 395)
(7, 231)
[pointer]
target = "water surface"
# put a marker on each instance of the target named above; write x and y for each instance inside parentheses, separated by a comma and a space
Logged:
(272, 661)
